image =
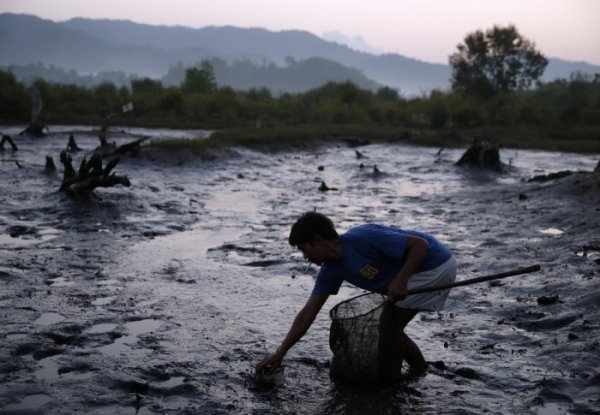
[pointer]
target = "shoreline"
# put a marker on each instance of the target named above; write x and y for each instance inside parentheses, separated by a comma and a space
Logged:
(576, 139)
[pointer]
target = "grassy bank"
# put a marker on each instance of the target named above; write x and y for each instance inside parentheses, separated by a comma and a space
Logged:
(574, 139)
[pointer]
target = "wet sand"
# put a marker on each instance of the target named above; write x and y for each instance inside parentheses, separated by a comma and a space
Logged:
(161, 297)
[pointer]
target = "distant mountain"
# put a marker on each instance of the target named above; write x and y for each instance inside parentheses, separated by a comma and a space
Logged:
(559, 68)
(355, 42)
(29, 40)
(284, 61)
(409, 75)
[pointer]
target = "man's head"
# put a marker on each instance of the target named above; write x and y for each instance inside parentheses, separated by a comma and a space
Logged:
(312, 234)
(309, 225)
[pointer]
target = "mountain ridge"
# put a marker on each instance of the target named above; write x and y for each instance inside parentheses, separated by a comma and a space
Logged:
(95, 45)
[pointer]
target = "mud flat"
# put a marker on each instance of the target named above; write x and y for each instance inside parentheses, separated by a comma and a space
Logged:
(160, 298)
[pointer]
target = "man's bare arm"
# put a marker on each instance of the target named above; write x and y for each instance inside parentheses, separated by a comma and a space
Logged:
(300, 326)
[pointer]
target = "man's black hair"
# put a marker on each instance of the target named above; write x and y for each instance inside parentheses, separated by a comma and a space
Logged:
(309, 225)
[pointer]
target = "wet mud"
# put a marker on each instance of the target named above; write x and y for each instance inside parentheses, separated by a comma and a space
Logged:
(161, 297)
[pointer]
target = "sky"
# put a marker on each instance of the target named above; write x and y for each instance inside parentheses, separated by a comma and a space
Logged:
(427, 30)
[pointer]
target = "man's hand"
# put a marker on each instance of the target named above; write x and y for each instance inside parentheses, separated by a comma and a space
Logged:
(397, 290)
(273, 361)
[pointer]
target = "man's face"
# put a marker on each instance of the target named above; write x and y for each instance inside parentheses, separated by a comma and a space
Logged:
(313, 252)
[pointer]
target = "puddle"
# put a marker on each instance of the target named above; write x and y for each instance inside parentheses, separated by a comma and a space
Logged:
(101, 328)
(15, 336)
(104, 300)
(44, 235)
(183, 246)
(62, 282)
(47, 319)
(233, 201)
(49, 369)
(171, 383)
(123, 344)
(552, 231)
(135, 328)
(552, 408)
(108, 282)
(76, 375)
(29, 403)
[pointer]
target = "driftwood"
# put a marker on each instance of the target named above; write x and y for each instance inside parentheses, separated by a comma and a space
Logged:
(483, 154)
(36, 129)
(8, 139)
(107, 149)
(90, 175)
(132, 148)
(552, 176)
(17, 162)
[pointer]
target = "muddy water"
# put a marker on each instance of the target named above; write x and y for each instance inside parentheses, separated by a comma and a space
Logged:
(161, 297)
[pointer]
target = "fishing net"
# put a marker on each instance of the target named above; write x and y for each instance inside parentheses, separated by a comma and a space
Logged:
(362, 339)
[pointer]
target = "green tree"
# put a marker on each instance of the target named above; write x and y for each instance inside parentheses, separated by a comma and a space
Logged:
(146, 86)
(72, 100)
(107, 98)
(172, 102)
(499, 60)
(147, 95)
(200, 80)
(15, 104)
(386, 93)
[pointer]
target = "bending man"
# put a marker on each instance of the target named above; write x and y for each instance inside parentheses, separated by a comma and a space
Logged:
(377, 258)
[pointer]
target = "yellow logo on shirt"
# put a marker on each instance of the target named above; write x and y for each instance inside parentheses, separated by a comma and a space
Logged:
(369, 272)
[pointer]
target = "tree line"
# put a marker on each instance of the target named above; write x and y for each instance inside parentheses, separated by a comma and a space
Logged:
(494, 82)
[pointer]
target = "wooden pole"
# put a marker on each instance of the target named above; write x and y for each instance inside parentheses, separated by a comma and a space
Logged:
(519, 271)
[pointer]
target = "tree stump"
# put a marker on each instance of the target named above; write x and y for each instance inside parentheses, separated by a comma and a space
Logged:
(8, 139)
(482, 154)
(72, 145)
(90, 175)
(49, 166)
(35, 129)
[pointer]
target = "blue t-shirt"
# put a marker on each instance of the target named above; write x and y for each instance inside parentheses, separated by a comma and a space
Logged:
(372, 255)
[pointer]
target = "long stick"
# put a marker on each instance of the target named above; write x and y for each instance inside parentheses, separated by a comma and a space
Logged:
(519, 271)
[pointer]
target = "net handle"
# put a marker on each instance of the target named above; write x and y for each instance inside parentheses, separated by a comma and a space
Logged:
(470, 281)
(518, 271)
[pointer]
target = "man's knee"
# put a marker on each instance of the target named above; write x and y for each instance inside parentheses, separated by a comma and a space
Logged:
(403, 316)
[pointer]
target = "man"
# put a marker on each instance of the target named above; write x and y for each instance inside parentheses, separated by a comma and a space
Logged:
(377, 258)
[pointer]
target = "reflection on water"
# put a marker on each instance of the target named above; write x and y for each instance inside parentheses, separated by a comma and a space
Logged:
(552, 231)
(101, 328)
(47, 319)
(25, 240)
(29, 403)
(123, 345)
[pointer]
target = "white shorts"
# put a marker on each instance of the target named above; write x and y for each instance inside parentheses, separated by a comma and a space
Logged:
(432, 301)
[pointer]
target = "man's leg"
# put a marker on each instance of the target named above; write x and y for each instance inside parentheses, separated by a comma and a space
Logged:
(410, 351)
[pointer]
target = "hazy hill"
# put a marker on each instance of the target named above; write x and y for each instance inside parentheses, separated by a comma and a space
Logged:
(407, 74)
(253, 57)
(29, 40)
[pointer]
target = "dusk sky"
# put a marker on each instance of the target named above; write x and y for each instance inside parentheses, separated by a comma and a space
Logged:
(428, 30)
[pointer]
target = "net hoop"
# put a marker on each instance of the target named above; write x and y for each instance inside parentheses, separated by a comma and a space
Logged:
(333, 313)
